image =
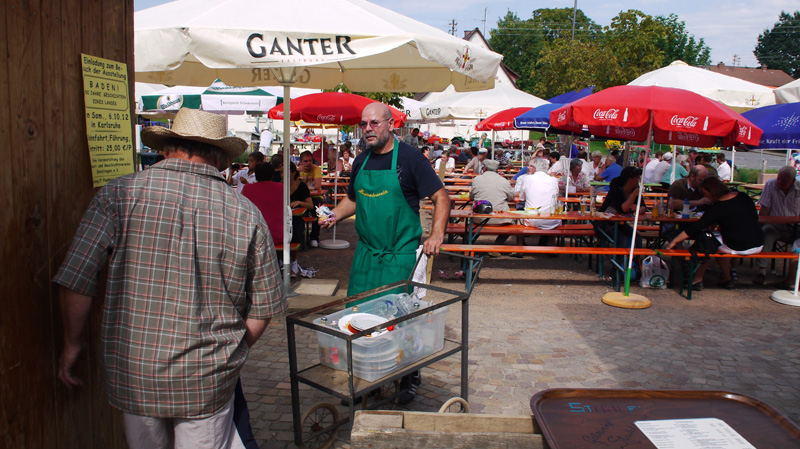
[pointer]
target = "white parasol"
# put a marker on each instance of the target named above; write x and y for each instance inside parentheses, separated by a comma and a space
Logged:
(259, 43)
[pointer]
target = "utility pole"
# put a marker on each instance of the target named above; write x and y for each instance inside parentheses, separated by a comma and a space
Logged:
(484, 20)
(574, 16)
(736, 60)
(453, 24)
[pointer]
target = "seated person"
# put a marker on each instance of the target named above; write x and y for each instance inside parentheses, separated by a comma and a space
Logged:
(449, 163)
(465, 155)
(495, 189)
(610, 172)
(267, 195)
(578, 182)
(621, 199)
(661, 168)
(780, 197)
(689, 188)
(739, 231)
(707, 158)
(557, 165)
(500, 157)
(680, 173)
(537, 190)
(476, 164)
(595, 166)
(650, 167)
(723, 169)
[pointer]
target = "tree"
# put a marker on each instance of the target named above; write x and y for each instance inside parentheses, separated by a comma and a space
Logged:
(556, 23)
(634, 38)
(519, 43)
(567, 65)
(779, 48)
(678, 44)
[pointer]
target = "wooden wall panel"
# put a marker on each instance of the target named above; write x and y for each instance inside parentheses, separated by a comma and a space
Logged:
(46, 187)
(9, 372)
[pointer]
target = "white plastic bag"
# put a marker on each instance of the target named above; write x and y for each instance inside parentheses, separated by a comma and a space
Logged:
(655, 273)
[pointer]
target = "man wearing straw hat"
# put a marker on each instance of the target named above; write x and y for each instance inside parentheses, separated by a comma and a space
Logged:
(193, 281)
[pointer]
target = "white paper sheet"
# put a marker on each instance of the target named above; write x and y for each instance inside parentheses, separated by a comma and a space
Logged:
(702, 433)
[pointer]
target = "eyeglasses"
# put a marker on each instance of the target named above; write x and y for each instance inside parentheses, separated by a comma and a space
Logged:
(372, 123)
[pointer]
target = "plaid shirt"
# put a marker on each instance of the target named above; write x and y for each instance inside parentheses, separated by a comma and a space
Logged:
(189, 260)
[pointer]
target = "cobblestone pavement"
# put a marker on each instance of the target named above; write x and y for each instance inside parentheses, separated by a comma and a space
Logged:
(538, 323)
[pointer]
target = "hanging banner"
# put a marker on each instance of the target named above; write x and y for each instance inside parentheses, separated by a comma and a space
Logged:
(108, 118)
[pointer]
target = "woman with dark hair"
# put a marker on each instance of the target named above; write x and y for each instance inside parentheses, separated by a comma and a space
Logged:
(739, 231)
(623, 192)
(345, 163)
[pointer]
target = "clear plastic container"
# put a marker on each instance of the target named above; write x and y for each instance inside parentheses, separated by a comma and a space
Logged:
(380, 355)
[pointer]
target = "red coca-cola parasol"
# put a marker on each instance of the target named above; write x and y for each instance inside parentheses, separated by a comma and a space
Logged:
(661, 114)
(501, 121)
(334, 108)
(675, 116)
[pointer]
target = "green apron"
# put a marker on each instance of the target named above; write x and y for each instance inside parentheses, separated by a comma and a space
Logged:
(388, 230)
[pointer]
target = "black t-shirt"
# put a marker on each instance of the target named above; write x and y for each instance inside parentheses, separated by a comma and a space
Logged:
(738, 222)
(614, 200)
(301, 193)
(417, 178)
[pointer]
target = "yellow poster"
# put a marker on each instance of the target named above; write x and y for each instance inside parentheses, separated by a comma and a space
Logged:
(108, 118)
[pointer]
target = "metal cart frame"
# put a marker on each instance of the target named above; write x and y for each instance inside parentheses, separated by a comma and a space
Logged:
(345, 385)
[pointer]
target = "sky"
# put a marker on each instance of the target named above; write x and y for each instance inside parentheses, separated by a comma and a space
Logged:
(729, 27)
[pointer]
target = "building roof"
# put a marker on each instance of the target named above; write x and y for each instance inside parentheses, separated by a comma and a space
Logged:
(759, 75)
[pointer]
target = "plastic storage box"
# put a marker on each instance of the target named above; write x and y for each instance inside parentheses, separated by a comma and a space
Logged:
(388, 350)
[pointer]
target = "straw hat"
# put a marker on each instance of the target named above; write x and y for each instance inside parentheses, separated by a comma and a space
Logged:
(199, 126)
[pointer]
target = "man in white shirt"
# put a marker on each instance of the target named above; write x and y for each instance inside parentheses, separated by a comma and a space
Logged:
(265, 146)
(780, 197)
(723, 169)
(661, 168)
(650, 168)
(449, 163)
(537, 189)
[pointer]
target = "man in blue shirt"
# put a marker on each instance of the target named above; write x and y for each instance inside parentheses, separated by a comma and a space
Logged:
(611, 171)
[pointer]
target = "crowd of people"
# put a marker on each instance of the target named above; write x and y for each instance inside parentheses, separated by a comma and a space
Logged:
(176, 334)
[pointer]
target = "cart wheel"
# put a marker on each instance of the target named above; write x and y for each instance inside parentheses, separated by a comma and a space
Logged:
(319, 426)
(455, 405)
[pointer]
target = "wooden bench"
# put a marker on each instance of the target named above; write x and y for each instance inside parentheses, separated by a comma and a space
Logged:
(471, 250)
(686, 255)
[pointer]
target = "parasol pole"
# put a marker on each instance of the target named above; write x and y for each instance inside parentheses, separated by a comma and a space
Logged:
(733, 161)
(332, 243)
(638, 207)
(287, 211)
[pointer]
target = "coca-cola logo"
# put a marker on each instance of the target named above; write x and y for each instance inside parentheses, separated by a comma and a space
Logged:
(689, 121)
(330, 118)
(624, 132)
(742, 130)
(562, 116)
(434, 111)
(688, 137)
(609, 114)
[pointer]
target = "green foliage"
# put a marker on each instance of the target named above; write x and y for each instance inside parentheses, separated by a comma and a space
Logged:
(567, 65)
(779, 48)
(520, 43)
(556, 23)
(634, 37)
(678, 44)
(541, 51)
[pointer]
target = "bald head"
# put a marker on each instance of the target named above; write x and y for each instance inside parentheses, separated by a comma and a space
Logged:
(696, 176)
(378, 109)
(786, 177)
(376, 124)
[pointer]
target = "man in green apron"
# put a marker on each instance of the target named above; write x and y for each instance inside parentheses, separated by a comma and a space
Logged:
(386, 183)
